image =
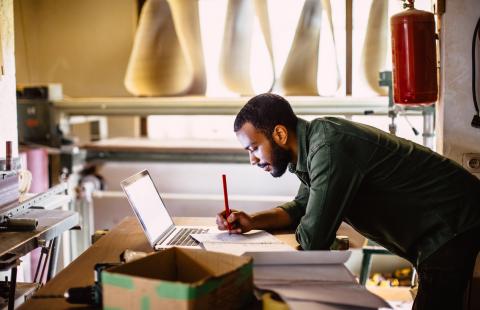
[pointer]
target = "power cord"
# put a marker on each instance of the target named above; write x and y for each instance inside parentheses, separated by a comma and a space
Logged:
(403, 112)
(415, 131)
(476, 118)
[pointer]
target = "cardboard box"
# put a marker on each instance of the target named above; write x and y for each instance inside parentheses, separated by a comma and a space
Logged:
(180, 279)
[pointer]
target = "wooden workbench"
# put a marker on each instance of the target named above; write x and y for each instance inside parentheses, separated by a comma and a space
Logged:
(126, 235)
(15, 244)
(51, 224)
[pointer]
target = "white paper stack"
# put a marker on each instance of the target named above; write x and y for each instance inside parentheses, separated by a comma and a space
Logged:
(237, 244)
(312, 280)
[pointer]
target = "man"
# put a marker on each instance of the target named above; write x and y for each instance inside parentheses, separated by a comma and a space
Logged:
(414, 202)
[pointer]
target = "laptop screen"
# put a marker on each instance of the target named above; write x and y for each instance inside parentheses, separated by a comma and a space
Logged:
(147, 204)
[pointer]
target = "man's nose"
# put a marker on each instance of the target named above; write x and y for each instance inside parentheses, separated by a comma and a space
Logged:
(253, 159)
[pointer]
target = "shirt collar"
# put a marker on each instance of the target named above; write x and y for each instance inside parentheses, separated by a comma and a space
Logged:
(302, 147)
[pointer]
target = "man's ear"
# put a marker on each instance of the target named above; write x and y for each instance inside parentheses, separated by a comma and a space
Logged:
(280, 135)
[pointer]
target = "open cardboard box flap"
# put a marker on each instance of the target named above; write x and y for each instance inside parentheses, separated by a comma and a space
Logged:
(180, 278)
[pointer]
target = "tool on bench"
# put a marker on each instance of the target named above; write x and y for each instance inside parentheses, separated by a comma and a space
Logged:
(92, 294)
(87, 295)
(18, 224)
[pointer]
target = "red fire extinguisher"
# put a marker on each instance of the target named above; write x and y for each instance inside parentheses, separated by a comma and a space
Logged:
(414, 57)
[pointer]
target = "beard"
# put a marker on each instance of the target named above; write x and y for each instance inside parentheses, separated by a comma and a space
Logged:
(280, 160)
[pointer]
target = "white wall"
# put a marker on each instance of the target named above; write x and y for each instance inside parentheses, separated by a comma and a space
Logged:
(8, 103)
(455, 108)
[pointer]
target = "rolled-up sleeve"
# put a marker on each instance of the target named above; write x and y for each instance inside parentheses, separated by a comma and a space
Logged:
(334, 180)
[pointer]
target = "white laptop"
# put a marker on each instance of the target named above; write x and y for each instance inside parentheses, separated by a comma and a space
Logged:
(154, 217)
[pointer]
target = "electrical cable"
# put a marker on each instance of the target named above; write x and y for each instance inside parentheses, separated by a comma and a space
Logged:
(476, 117)
(403, 113)
(415, 131)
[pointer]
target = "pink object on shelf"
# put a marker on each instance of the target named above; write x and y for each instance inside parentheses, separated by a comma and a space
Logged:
(37, 164)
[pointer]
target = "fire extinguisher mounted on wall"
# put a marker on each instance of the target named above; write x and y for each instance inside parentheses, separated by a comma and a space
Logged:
(414, 56)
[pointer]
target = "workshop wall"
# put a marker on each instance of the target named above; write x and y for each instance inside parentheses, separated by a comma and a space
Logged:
(8, 107)
(85, 44)
(455, 110)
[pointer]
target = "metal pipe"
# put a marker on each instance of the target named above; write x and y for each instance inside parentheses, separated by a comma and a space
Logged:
(52, 262)
(429, 127)
(13, 286)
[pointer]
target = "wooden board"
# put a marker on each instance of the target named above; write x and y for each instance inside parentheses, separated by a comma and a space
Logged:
(51, 224)
(141, 145)
(126, 235)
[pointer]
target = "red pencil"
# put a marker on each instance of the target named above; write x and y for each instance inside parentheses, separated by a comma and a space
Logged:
(225, 198)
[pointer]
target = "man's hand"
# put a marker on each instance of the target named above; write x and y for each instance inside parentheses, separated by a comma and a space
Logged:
(240, 222)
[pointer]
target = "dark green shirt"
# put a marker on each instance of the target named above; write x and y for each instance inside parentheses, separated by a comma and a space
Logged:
(400, 194)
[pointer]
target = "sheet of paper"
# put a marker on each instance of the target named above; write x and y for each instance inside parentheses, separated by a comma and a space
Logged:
(300, 257)
(252, 237)
(237, 244)
(334, 274)
(315, 305)
(312, 278)
(241, 248)
(350, 295)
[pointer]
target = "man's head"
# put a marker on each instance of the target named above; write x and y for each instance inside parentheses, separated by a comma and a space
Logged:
(265, 127)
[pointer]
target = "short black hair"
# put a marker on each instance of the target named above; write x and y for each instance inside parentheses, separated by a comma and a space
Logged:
(264, 112)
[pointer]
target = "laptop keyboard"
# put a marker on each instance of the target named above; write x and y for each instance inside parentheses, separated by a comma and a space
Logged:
(183, 236)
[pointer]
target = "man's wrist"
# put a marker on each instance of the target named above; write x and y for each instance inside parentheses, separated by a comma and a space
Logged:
(254, 221)
(265, 220)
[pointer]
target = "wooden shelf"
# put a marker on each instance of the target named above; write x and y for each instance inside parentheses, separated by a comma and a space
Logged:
(305, 105)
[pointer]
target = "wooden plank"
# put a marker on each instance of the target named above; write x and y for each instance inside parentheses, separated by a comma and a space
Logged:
(141, 145)
(186, 105)
(51, 223)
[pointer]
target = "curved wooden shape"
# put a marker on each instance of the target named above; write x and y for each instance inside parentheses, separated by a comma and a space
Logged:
(299, 75)
(261, 9)
(375, 46)
(237, 44)
(167, 57)
(187, 25)
(338, 80)
(156, 66)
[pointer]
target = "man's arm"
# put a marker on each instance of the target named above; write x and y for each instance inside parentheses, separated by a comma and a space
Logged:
(275, 218)
(334, 181)
(283, 217)
(241, 222)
